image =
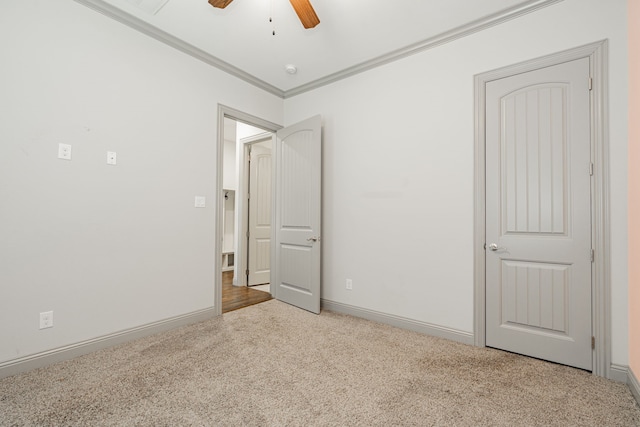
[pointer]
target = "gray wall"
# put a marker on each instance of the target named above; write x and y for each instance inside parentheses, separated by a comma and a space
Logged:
(107, 248)
(398, 162)
(111, 248)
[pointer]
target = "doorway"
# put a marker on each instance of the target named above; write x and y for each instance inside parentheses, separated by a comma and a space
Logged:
(296, 248)
(254, 159)
(235, 130)
(246, 232)
(501, 269)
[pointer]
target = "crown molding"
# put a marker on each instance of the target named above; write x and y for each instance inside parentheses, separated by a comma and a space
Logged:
(166, 38)
(440, 39)
(430, 43)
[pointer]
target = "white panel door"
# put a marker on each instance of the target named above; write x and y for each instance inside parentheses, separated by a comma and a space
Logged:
(538, 218)
(259, 260)
(297, 215)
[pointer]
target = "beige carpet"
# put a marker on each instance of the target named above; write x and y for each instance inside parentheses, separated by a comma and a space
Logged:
(275, 365)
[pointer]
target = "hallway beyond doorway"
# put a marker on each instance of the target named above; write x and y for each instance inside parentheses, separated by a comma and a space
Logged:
(235, 297)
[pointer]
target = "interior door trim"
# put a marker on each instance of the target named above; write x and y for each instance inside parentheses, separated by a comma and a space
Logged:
(231, 113)
(601, 276)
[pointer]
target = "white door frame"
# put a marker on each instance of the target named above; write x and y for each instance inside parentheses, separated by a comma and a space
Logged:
(242, 210)
(231, 113)
(601, 279)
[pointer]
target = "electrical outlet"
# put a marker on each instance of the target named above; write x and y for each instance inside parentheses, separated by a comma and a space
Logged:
(46, 319)
(64, 151)
(349, 284)
(111, 158)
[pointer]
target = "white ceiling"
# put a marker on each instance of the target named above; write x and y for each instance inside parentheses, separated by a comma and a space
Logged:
(352, 34)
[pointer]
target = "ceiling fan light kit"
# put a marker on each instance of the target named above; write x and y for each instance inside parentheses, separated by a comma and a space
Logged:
(303, 9)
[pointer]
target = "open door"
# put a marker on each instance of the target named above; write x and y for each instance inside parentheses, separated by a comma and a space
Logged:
(259, 235)
(296, 231)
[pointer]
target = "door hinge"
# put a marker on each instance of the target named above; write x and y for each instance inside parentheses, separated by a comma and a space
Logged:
(593, 255)
(593, 343)
(590, 83)
(247, 234)
(246, 272)
(591, 169)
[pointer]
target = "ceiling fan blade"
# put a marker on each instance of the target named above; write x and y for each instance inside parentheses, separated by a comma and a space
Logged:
(221, 4)
(305, 12)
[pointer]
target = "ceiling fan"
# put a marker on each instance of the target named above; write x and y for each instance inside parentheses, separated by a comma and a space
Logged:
(303, 8)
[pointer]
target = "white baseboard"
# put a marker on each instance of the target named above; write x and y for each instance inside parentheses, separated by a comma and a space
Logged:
(618, 373)
(38, 360)
(399, 322)
(634, 385)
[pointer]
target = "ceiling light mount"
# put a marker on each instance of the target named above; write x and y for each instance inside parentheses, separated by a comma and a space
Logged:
(291, 69)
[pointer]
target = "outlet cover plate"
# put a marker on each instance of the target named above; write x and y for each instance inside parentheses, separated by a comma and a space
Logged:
(111, 158)
(64, 151)
(46, 319)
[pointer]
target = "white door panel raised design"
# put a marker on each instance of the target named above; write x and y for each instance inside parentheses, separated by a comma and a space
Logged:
(297, 178)
(534, 295)
(538, 218)
(259, 259)
(296, 268)
(534, 199)
(297, 214)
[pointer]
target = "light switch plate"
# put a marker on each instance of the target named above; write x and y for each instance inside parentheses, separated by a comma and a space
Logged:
(200, 202)
(111, 158)
(64, 151)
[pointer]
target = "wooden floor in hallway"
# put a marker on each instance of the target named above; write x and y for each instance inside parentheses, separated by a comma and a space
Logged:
(235, 297)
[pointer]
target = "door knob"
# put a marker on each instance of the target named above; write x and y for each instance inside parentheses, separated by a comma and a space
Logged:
(313, 239)
(493, 247)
